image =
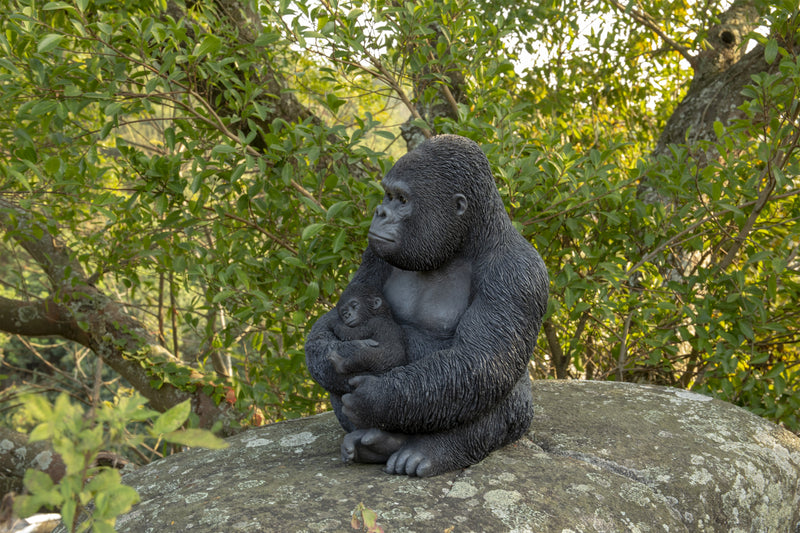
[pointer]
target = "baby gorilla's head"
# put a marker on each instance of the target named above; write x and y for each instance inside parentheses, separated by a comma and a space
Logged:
(359, 305)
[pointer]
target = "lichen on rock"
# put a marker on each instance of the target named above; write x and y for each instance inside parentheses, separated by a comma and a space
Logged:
(600, 456)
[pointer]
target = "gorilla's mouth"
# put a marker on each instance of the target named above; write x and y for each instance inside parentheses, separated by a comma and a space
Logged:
(378, 237)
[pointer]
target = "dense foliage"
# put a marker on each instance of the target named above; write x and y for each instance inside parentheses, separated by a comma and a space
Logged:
(212, 167)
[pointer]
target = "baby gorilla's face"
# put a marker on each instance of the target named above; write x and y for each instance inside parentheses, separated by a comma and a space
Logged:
(351, 312)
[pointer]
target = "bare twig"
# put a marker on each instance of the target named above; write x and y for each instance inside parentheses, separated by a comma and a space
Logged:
(283, 243)
(689, 230)
(647, 21)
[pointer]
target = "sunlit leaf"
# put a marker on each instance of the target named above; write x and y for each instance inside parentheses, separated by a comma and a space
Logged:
(173, 418)
(209, 45)
(49, 42)
(198, 438)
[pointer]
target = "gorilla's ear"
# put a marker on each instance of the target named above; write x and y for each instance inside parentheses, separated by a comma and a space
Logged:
(377, 302)
(461, 203)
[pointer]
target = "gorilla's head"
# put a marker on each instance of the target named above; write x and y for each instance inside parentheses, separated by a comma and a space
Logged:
(358, 304)
(436, 196)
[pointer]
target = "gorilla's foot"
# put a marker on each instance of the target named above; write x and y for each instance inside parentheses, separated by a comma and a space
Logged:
(423, 456)
(370, 445)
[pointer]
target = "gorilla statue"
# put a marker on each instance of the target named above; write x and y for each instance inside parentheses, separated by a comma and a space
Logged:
(367, 321)
(469, 292)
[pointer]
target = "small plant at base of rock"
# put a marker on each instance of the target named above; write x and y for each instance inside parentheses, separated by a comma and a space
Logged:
(78, 437)
(365, 519)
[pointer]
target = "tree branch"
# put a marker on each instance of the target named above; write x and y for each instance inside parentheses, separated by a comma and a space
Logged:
(559, 361)
(78, 311)
(42, 318)
(647, 21)
(54, 259)
(768, 178)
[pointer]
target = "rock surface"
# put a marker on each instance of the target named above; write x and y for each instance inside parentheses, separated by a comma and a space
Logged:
(600, 456)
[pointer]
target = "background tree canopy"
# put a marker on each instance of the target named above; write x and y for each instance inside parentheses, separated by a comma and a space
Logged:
(186, 187)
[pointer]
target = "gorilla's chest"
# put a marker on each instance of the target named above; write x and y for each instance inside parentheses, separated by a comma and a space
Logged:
(431, 301)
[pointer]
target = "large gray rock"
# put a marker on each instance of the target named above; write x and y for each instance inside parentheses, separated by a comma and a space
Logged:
(600, 457)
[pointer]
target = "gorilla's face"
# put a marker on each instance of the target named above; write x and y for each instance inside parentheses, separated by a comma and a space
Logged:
(359, 308)
(351, 312)
(421, 223)
(386, 233)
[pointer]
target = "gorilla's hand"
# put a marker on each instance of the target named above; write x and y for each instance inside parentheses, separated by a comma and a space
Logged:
(360, 405)
(340, 363)
(366, 343)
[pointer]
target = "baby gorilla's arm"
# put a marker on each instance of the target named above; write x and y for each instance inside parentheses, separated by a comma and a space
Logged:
(351, 364)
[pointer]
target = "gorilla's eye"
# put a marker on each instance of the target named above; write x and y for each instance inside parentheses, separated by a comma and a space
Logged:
(402, 199)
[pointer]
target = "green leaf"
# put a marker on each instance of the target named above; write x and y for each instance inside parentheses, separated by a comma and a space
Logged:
(337, 208)
(238, 172)
(37, 481)
(42, 493)
(169, 137)
(210, 45)
(39, 408)
(719, 129)
(385, 134)
(334, 102)
(747, 330)
(223, 149)
(116, 501)
(41, 432)
(339, 241)
(52, 6)
(173, 418)
(311, 231)
(298, 318)
(112, 498)
(49, 42)
(107, 479)
(52, 165)
(771, 51)
(265, 39)
(198, 438)
(68, 511)
(779, 385)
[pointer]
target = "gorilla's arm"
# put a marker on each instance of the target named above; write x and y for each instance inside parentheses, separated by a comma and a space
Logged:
(319, 342)
(322, 339)
(490, 353)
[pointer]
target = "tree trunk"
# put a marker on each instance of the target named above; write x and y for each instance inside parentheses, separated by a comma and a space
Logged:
(76, 310)
(715, 93)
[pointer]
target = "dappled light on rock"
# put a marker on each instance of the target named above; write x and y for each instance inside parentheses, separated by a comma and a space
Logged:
(600, 456)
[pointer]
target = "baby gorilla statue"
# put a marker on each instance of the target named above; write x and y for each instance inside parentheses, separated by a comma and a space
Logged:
(366, 321)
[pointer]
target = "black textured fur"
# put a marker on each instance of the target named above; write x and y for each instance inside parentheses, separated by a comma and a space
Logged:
(375, 323)
(467, 393)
